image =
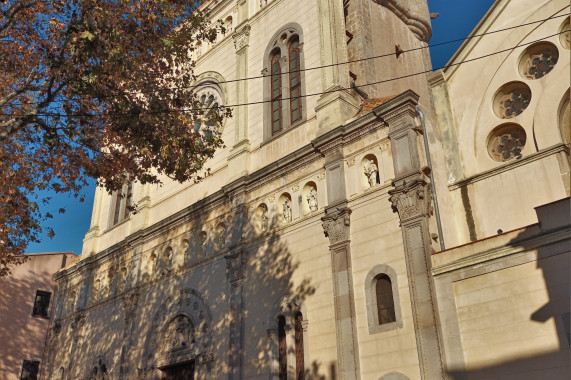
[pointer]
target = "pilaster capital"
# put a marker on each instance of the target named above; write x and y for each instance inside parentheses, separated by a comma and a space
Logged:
(411, 200)
(336, 224)
(241, 38)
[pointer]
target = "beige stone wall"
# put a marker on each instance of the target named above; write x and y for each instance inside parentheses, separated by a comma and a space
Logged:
(484, 195)
(504, 302)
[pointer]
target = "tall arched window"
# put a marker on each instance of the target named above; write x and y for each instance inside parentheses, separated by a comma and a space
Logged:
(276, 94)
(295, 80)
(385, 302)
(284, 86)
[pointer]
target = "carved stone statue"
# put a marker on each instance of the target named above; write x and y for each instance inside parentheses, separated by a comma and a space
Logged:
(264, 218)
(371, 173)
(287, 210)
(181, 334)
(312, 200)
(221, 238)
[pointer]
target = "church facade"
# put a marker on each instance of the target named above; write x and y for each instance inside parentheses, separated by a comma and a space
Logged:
(362, 223)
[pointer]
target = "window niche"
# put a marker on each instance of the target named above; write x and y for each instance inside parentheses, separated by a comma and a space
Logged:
(284, 82)
(383, 302)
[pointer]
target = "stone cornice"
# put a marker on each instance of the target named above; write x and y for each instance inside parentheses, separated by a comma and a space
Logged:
(509, 166)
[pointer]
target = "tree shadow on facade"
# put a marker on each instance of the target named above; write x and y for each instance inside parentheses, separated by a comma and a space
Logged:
(541, 357)
(205, 311)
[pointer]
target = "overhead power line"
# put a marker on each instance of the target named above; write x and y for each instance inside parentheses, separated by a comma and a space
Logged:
(198, 85)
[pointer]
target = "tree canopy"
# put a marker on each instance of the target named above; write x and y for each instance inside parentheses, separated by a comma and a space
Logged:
(95, 88)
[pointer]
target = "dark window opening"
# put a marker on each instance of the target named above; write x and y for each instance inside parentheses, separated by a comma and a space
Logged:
(41, 304)
(385, 301)
(30, 370)
(276, 94)
(295, 81)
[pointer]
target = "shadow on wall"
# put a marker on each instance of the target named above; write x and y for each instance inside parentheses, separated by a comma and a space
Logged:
(21, 335)
(192, 311)
(550, 360)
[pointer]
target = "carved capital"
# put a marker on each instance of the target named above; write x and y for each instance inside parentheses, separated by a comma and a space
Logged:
(411, 200)
(236, 265)
(336, 224)
(130, 302)
(241, 38)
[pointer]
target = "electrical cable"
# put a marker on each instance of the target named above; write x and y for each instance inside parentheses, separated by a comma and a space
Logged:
(312, 68)
(183, 110)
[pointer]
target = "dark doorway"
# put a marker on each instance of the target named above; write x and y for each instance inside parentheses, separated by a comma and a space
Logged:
(179, 372)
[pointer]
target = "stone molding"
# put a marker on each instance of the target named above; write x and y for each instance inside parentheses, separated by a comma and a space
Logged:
(414, 13)
(509, 166)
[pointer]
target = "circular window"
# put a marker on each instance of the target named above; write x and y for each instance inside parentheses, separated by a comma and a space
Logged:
(512, 99)
(538, 60)
(565, 34)
(506, 142)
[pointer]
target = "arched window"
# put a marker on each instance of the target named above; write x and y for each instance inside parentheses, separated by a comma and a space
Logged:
(385, 302)
(294, 80)
(276, 94)
(122, 203)
(284, 81)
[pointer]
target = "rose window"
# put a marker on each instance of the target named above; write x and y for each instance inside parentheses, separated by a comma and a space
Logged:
(539, 60)
(512, 99)
(506, 142)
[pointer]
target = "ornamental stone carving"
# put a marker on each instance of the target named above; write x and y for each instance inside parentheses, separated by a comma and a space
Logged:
(336, 224)
(130, 302)
(506, 142)
(312, 200)
(241, 38)
(371, 171)
(236, 265)
(99, 370)
(412, 200)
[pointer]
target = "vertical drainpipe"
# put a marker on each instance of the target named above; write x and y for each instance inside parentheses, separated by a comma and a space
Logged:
(429, 162)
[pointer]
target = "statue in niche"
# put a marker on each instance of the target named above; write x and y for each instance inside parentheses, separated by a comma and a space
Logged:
(264, 218)
(312, 199)
(221, 239)
(287, 210)
(371, 173)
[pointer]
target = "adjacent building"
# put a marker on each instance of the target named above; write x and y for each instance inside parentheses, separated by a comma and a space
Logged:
(26, 310)
(369, 218)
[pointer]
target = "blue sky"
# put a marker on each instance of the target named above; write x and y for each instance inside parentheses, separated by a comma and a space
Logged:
(457, 19)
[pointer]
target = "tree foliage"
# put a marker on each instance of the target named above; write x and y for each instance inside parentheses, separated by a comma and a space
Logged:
(95, 88)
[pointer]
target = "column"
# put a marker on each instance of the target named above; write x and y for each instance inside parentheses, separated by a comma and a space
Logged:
(411, 198)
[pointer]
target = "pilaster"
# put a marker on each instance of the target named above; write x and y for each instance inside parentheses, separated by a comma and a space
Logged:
(337, 104)
(130, 302)
(336, 225)
(411, 198)
(239, 159)
(236, 267)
